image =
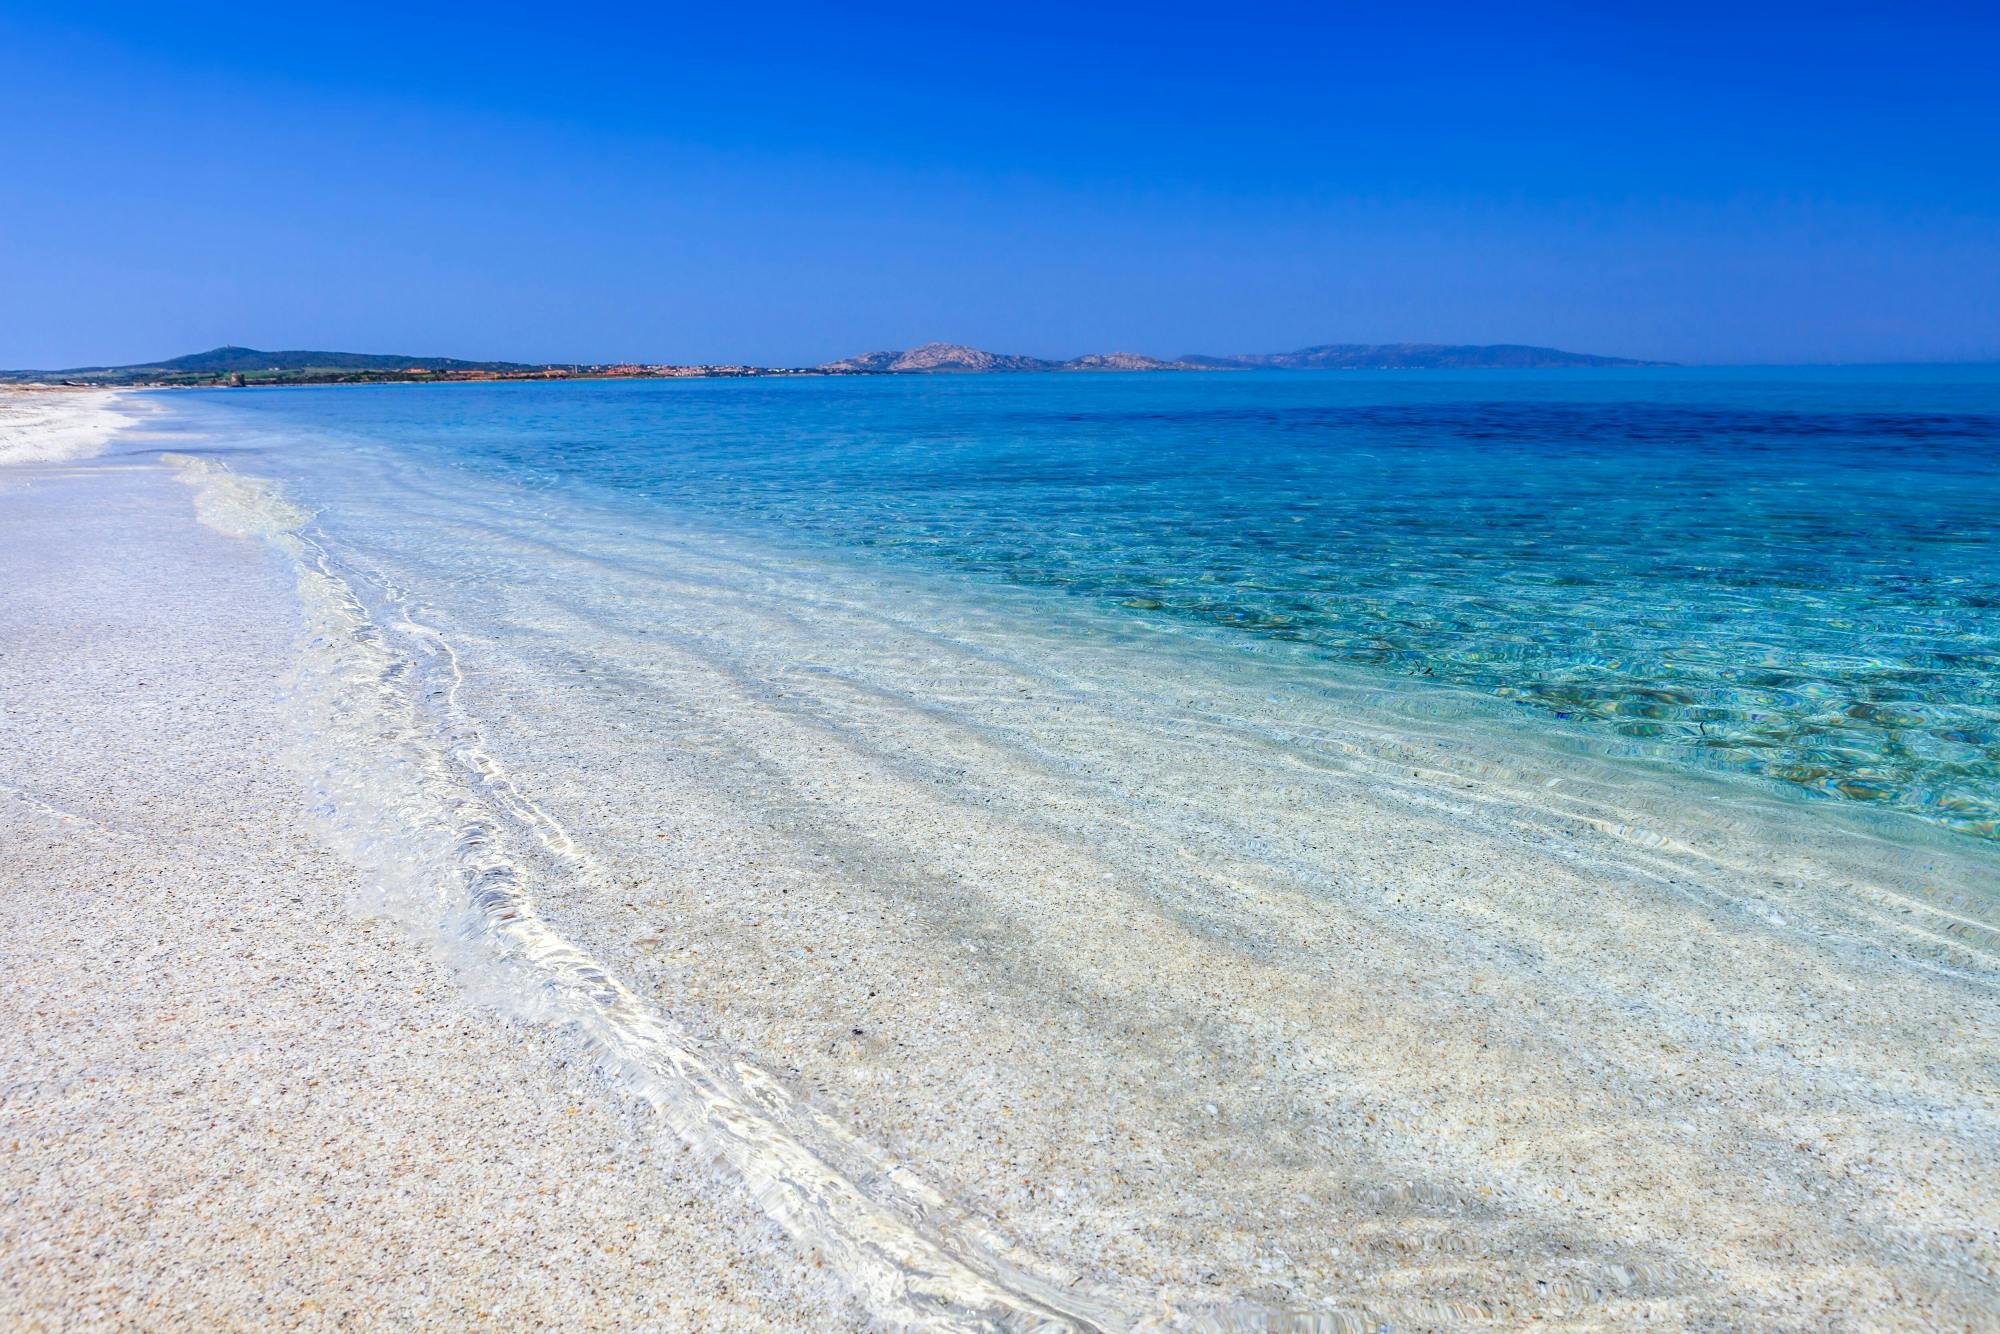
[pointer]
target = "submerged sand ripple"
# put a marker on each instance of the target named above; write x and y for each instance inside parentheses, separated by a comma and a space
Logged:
(1154, 990)
(1210, 997)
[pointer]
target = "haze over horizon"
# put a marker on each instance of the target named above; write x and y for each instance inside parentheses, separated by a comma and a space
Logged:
(1708, 186)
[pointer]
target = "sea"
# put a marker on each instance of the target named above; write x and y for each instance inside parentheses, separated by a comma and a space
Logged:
(1264, 850)
(1787, 577)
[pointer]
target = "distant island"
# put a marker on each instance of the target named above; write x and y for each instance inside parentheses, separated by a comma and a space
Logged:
(248, 366)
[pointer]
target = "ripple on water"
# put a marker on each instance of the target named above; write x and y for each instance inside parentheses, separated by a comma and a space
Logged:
(1794, 578)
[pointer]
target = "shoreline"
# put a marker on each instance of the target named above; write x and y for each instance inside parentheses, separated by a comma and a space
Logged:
(1495, 1064)
(225, 1098)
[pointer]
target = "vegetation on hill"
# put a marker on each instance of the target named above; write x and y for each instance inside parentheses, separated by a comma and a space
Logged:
(250, 366)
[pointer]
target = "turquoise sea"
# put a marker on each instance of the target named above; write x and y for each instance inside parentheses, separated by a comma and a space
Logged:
(1264, 851)
(1790, 577)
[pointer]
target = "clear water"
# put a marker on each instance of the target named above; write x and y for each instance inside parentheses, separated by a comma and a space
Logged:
(1230, 852)
(1788, 576)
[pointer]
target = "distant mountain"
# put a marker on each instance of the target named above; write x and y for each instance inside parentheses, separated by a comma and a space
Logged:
(1122, 361)
(1329, 356)
(249, 362)
(938, 357)
(227, 360)
(957, 357)
(1412, 356)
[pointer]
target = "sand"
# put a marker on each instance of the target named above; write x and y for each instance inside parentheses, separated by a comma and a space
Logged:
(224, 1100)
(52, 424)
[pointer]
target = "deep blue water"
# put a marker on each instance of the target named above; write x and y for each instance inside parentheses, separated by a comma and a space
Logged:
(1790, 575)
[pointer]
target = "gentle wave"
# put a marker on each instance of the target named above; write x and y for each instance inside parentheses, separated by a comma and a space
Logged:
(405, 787)
(1311, 990)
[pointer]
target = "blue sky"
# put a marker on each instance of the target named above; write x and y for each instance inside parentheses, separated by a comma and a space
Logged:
(786, 184)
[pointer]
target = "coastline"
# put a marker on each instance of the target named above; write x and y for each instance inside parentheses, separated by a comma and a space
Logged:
(243, 367)
(1500, 1063)
(225, 1100)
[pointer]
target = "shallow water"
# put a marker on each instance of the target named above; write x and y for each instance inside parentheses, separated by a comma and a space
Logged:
(1792, 576)
(1041, 958)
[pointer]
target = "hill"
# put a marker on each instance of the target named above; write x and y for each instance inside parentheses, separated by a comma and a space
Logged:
(224, 363)
(937, 357)
(1123, 361)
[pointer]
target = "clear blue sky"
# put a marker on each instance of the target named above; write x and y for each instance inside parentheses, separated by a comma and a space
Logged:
(782, 184)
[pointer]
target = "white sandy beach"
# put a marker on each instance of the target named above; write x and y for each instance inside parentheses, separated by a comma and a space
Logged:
(51, 425)
(1087, 1008)
(225, 1102)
